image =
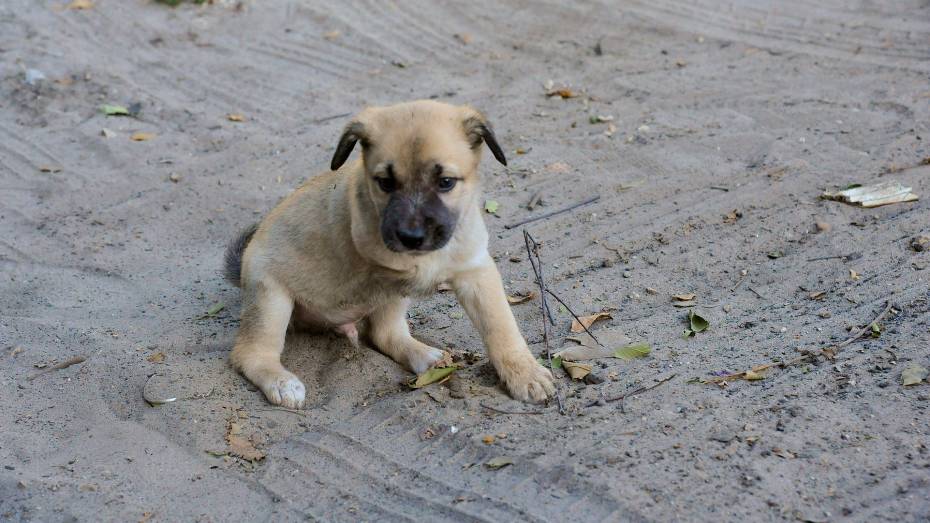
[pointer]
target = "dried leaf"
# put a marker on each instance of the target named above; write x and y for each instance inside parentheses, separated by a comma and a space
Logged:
(114, 110)
(576, 370)
(49, 169)
(574, 352)
(732, 216)
(873, 195)
(158, 357)
(817, 295)
(331, 35)
(235, 117)
(751, 375)
(80, 5)
(243, 448)
(498, 462)
(491, 206)
(914, 374)
(587, 321)
(520, 298)
(635, 350)
(684, 297)
(563, 93)
(433, 375)
(141, 137)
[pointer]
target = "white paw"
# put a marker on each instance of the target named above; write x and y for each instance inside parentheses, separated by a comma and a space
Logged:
(527, 380)
(423, 359)
(285, 390)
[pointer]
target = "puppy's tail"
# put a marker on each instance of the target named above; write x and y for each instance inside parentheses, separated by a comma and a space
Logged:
(233, 261)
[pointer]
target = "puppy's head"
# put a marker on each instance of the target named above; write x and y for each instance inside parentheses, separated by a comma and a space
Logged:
(421, 166)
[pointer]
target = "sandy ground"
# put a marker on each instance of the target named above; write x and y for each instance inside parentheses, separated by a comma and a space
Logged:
(115, 255)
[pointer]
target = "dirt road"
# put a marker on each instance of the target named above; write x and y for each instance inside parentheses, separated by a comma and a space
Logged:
(708, 129)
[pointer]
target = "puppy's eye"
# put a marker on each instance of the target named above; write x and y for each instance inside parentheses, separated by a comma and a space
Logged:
(387, 184)
(446, 184)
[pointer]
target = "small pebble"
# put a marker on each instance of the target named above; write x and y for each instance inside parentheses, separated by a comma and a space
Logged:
(627, 274)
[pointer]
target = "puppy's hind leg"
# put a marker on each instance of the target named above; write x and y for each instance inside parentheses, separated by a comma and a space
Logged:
(391, 335)
(266, 312)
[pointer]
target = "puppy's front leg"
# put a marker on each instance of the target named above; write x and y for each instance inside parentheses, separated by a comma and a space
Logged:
(391, 335)
(266, 312)
(481, 293)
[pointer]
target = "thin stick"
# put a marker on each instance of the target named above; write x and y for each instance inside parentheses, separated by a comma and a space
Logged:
(806, 357)
(536, 271)
(284, 409)
(757, 293)
(841, 256)
(63, 365)
(552, 213)
(634, 392)
(502, 411)
(867, 327)
(545, 307)
(574, 315)
(333, 117)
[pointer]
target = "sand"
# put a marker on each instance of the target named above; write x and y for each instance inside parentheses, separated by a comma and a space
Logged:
(726, 123)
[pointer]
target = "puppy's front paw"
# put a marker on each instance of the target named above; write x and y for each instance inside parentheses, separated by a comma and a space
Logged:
(422, 358)
(527, 380)
(285, 390)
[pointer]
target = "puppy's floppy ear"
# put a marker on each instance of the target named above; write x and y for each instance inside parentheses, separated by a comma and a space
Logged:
(478, 129)
(354, 132)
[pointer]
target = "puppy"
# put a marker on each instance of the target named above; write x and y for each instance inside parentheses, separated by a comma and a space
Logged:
(351, 247)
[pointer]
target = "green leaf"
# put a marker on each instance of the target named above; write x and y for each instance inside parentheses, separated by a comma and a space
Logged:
(876, 330)
(114, 110)
(697, 323)
(636, 350)
(498, 462)
(913, 374)
(213, 310)
(430, 376)
(491, 206)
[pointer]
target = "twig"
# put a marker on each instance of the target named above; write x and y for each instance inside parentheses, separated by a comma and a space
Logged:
(284, 409)
(502, 411)
(720, 188)
(757, 293)
(63, 365)
(867, 327)
(837, 257)
(829, 352)
(552, 213)
(632, 393)
(333, 117)
(570, 311)
(545, 306)
(537, 271)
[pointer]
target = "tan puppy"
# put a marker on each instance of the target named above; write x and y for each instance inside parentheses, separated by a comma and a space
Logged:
(352, 246)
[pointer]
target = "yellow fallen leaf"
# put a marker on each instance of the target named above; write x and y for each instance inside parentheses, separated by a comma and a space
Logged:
(158, 357)
(587, 321)
(563, 93)
(235, 117)
(141, 137)
(80, 4)
(520, 298)
(576, 370)
(488, 439)
(243, 448)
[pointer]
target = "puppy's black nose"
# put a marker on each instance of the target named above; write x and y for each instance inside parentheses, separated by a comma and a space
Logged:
(411, 238)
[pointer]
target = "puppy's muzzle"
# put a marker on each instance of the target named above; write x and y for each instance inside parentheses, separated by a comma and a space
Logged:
(412, 224)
